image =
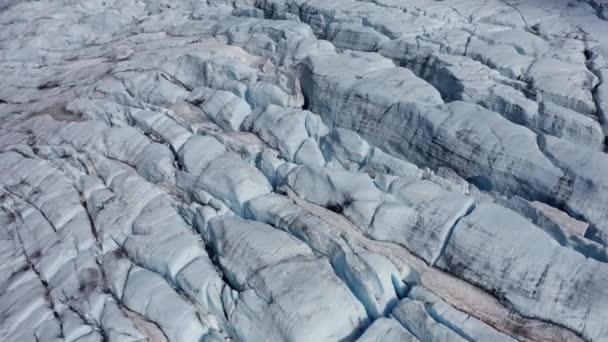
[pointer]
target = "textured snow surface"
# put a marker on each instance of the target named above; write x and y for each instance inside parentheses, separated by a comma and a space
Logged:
(303, 170)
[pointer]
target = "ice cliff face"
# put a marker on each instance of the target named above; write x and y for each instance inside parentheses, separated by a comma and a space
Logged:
(303, 170)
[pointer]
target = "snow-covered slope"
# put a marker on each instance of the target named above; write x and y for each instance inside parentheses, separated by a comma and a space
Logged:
(303, 170)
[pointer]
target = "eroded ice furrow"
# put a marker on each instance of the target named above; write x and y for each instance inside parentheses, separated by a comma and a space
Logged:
(476, 303)
(30, 265)
(444, 128)
(410, 243)
(600, 8)
(596, 63)
(590, 270)
(256, 275)
(416, 43)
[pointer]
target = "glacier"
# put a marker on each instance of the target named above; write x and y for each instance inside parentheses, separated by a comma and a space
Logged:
(303, 170)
